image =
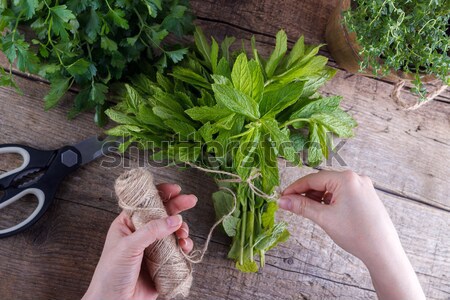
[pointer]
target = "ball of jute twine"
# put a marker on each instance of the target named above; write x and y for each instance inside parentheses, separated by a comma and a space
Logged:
(169, 268)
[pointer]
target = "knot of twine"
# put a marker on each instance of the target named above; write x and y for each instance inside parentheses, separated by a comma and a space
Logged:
(169, 267)
(397, 92)
(239, 179)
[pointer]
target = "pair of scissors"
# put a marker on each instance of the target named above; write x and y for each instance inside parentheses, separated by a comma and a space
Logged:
(51, 168)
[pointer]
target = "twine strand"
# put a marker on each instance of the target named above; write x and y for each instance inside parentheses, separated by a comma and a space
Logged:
(396, 95)
(167, 266)
(238, 179)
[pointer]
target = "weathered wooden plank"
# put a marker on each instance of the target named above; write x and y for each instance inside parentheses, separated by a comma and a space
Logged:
(415, 143)
(307, 265)
(264, 18)
(406, 152)
(59, 253)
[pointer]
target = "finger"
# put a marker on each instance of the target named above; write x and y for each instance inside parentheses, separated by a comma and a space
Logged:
(303, 206)
(168, 191)
(315, 195)
(120, 227)
(186, 245)
(153, 231)
(323, 197)
(183, 232)
(321, 181)
(180, 203)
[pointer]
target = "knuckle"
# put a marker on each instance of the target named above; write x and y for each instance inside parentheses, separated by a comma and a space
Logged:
(153, 227)
(296, 206)
(367, 180)
(350, 177)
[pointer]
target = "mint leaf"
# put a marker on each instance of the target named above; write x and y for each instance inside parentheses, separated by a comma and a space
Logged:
(269, 239)
(206, 113)
(236, 101)
(277, 100)
(123, 130)
(191, 77)
(202, 45)
(315, 65)
(241, 76)
(269, 167)
(181, 128)
(257, 80)
(230, 225)
(281, 139)
(268, 217)
(314, 146)
(323, 138)
(278, 53)
(225, 47)
(334, 124)
(327, 104)
(297, 52)
(214, 55)
(120, 117)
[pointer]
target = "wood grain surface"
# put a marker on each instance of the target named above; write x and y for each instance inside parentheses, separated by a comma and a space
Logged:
(405, 153)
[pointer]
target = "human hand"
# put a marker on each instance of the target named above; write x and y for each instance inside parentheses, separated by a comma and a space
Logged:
(120, 273)
(356, 219)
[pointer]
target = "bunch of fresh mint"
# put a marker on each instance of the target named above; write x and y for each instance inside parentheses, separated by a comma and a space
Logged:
(225, 111)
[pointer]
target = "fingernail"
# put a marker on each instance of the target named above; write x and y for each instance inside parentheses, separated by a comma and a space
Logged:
(174, 221)
(187, 233)
(178, 187)
(285, 203)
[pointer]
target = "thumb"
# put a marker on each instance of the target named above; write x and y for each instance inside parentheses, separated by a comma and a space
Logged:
(153, 231)
(302, 206)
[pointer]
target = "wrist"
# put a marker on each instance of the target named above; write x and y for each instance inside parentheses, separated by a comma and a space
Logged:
(90, 294)
(393, 275)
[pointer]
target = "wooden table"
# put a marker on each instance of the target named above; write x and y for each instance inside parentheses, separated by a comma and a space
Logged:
(406, 153)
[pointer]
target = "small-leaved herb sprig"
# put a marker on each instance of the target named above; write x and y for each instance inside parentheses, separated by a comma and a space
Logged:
(411, 36)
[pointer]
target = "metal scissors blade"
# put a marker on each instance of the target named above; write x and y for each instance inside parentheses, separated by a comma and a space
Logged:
(93, 148)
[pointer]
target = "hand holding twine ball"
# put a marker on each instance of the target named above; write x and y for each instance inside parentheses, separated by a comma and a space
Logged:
(169, 268)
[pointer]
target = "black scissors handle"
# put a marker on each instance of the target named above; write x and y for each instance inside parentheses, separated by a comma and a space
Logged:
(55, 165)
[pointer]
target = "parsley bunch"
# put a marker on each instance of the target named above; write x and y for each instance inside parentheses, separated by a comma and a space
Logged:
(89, 43)
(411, 36)
(226, 111)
